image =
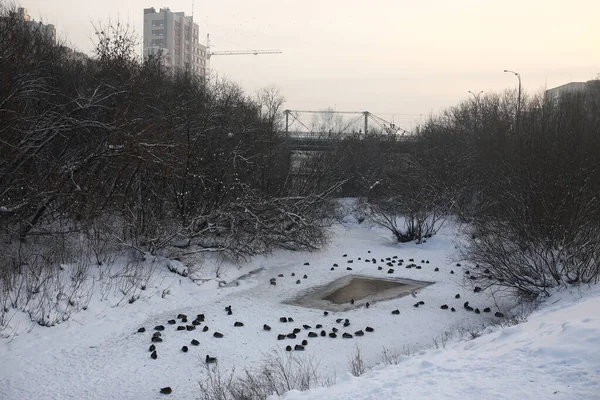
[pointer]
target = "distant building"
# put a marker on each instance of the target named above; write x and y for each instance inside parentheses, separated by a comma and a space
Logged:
(47, 30)
(175, 36)
(75, 55)
(572, 87)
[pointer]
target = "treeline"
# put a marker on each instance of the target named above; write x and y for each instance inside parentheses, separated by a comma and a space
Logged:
(521, 173)
(526, 178)
(122, 147)
(118, 150)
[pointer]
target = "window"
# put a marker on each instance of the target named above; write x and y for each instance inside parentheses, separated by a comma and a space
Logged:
(158, 22)
(158, 42)
(158, 32)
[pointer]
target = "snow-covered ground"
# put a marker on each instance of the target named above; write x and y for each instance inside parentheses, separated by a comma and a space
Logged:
(554, 355)
(97, 354)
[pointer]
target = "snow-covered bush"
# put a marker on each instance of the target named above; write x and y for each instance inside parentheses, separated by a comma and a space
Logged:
(52, 277)
(537, 223)
(407, 201)
(277, 374)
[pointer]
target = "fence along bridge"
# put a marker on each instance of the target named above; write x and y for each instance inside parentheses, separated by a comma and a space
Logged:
(307, 140)
(329, 126)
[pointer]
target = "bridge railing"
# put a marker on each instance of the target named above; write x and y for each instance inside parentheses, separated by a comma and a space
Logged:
(317, 135)
(303, 135)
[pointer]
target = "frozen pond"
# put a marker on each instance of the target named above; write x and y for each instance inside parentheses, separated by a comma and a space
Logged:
(338, 295)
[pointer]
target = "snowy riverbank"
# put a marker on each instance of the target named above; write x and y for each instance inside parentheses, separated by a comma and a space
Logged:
(97, 354)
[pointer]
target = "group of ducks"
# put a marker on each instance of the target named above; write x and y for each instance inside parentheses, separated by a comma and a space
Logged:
(158, 338)
(312, 334)
(396, 262)
(466, 306)
(390, 262)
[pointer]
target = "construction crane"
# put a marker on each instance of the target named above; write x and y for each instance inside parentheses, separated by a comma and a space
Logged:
(210, 53)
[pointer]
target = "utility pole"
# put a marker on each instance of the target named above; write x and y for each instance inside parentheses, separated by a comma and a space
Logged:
(366, 114)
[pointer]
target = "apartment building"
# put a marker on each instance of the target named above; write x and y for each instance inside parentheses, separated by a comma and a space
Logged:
(47, 30)
(175, 36)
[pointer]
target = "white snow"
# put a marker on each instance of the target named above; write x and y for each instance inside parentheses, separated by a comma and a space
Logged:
(98, 355)
(554, 355)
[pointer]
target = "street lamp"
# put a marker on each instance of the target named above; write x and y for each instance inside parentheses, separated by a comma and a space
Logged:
(476, 96)
(519, 95)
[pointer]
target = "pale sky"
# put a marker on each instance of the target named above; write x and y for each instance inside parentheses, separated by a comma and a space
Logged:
(398, 59)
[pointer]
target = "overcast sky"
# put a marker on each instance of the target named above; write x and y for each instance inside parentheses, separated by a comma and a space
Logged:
(399, 59)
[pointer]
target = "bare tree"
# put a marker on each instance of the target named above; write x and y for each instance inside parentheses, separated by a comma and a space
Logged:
(529, 193)
(121, 148)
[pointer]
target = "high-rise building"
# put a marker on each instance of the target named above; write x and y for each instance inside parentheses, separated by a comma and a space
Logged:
(175, 36)
(47, 30)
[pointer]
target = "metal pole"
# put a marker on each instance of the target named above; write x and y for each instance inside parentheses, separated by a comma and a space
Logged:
(476, 103)
(519, 104)
(366, 113)
(518, 96)
(476, 96)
